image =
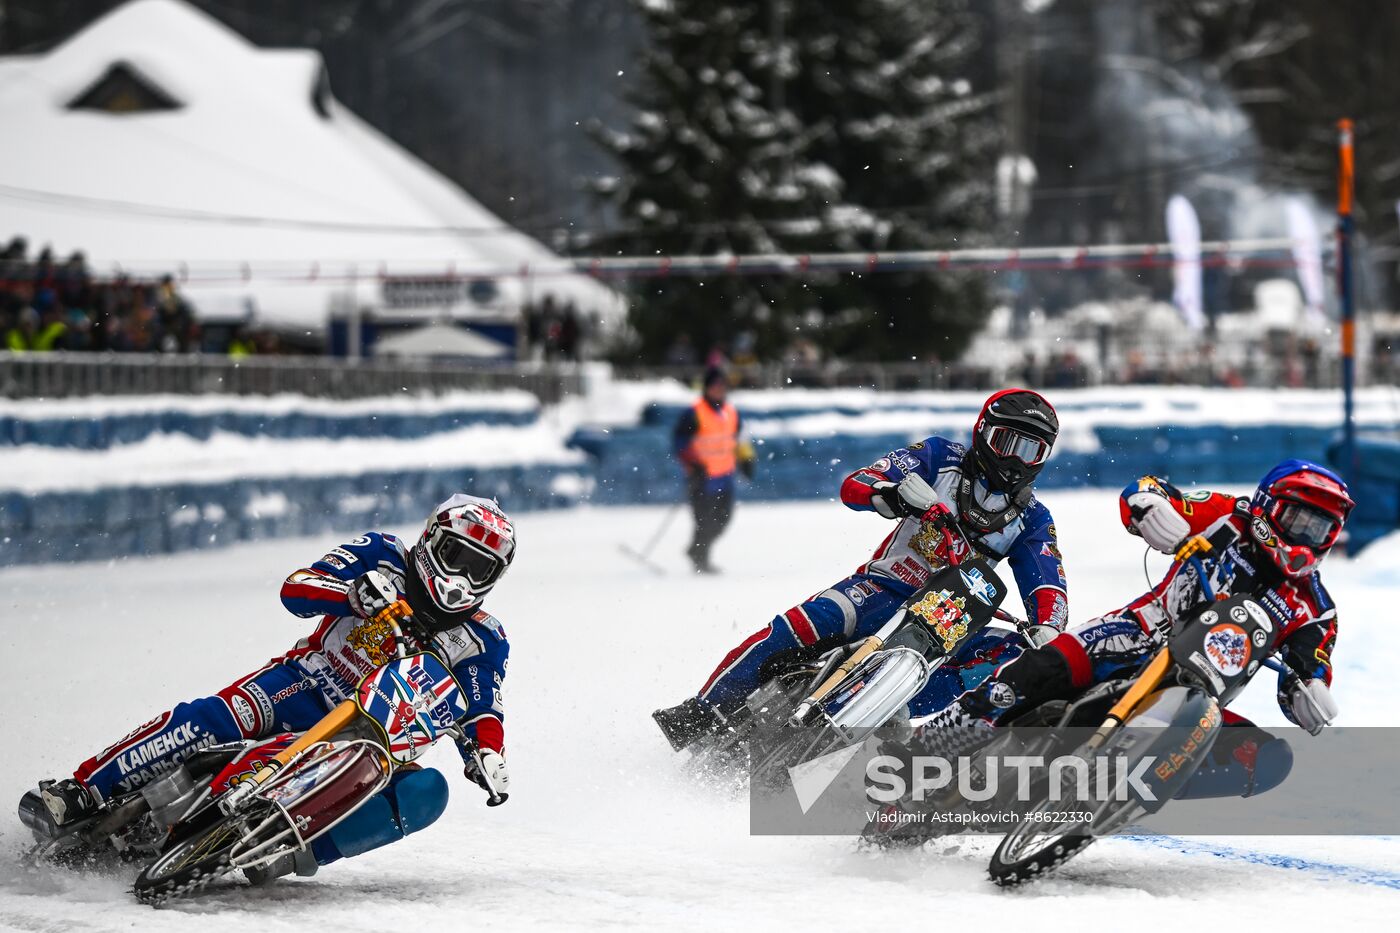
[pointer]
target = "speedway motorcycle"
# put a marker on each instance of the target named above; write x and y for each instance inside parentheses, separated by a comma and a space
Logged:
(811, 706)
(1167, 715)
(242, 806)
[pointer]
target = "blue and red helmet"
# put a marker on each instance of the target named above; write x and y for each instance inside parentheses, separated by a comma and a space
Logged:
(1299, 510)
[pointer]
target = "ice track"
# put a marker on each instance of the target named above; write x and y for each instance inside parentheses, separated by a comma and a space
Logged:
(600, 831)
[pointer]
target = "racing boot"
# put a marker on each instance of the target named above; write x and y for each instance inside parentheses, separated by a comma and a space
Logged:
(686, 722)
(67, 801)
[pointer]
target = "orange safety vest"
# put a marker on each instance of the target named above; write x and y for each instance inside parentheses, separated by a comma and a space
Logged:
(716, 438)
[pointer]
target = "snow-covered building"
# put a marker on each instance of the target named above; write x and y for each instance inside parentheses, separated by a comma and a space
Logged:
(158, 140)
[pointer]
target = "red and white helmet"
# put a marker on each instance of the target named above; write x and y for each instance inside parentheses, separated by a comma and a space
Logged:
(465, 548)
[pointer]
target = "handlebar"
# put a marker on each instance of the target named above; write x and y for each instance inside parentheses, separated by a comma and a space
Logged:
(938, 514)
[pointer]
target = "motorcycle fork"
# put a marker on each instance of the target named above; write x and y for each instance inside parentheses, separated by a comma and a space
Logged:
(1146, 683)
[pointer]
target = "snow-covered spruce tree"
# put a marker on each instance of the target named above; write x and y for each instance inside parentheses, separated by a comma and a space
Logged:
(913, 144)
(708, 167)
(842, 124)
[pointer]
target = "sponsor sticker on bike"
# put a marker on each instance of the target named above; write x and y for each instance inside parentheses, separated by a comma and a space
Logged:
(978, 586)
(1227, 648)
(411, 700)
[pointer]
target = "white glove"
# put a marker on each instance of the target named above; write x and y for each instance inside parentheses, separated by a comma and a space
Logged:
(488, 769)
(370, 594)
(911, 496)
(1040, 635)
(1159, 524)
(1309, 703)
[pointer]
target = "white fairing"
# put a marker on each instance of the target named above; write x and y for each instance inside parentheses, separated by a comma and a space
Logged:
(891, 679)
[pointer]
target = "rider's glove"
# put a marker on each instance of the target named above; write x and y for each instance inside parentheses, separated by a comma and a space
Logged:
(911, 496)
(1309, 703)
(1153, 517)
(492, 776)
(370, 594)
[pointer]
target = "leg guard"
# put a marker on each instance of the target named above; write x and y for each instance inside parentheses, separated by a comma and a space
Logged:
(852, 608)
(1245, 761)
(276, 697)
(413, 800)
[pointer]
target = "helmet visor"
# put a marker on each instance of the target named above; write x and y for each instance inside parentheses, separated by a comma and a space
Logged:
(1298, 523)
(1007, 442)
(464, 558)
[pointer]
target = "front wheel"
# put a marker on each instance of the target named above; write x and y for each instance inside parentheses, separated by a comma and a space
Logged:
(201, 857)
(1027, 852)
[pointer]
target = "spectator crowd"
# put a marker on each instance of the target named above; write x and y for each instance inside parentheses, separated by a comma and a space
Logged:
(48, 304)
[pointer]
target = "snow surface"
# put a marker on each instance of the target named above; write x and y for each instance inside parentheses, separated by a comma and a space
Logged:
(601, 830)
(98, 406)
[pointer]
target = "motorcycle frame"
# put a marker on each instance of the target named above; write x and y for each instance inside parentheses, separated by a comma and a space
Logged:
(279, 814)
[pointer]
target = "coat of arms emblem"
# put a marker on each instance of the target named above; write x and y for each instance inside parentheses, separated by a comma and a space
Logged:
(944, 614)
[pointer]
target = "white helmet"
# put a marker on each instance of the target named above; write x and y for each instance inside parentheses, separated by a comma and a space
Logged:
(465, 547)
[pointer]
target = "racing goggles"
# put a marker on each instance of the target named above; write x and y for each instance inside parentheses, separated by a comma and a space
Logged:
(462, 557)
(1302, 524)
(1008, 442)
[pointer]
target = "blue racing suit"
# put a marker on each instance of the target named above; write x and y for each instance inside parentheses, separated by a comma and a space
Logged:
(859, 605)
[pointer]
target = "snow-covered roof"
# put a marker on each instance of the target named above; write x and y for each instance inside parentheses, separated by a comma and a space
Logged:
(165, 188)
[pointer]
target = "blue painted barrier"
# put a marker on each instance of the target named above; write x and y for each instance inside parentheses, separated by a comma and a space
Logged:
(129, 522)
(634, 464)
(104, 431)
(625, 465)
(1374, 484)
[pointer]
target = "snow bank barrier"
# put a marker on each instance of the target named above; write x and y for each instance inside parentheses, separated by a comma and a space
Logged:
(1375, 484)
(100, 423)
(70, 525)
(171, 492)
(286, 466)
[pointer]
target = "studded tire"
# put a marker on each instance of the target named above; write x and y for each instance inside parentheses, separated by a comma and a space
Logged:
(191, 863)
(1007, 870)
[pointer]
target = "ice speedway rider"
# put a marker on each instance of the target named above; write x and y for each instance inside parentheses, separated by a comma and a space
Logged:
(1269, 547)
(985, 490)
(467, 544)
